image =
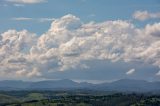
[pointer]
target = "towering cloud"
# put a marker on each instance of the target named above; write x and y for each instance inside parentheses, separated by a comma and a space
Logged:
(69, 42)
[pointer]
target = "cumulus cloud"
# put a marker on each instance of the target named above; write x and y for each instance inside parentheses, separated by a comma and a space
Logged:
(131, 71)
(145, 15)
(26, 1)
(14, 51)
(69, 42)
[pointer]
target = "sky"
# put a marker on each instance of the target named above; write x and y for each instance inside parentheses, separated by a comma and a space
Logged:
(83, 40)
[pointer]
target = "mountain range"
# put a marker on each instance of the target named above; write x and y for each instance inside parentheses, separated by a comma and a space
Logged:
(122, 85)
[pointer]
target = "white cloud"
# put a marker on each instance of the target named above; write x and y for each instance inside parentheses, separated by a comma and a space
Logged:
(14, 49)
(33, 19)
(45, 19)
(69, 42)
(22, 19)
(144, 15)
(131, 71)
(26, 1)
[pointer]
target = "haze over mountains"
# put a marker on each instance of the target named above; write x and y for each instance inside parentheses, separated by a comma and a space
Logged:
(123, 85)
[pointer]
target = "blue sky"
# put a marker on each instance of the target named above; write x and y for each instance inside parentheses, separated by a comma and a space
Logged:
(36, 17)
(86, 10)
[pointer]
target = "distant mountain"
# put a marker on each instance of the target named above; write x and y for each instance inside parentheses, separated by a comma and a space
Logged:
(59, 84)
(13, 85)
(123, 85)
(130, 85)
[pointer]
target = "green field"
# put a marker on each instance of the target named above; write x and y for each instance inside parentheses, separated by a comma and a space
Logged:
(78, 98)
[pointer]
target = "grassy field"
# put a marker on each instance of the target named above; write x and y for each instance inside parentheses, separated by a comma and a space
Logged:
(69, 98)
